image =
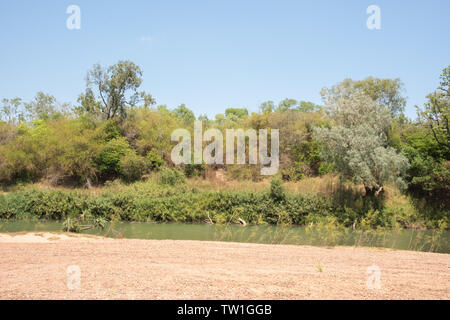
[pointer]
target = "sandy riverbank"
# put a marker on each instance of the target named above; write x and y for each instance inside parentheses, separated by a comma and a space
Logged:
(34, 266)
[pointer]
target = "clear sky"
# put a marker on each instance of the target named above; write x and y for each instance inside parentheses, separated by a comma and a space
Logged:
(216, 54)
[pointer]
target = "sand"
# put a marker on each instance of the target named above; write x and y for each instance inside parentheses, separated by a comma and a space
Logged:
(35, 266)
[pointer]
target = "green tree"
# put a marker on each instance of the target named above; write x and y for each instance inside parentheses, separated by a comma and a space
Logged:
(306, 106)
(116, 88)
(437, 111)
(43, 106)
(286, 104)
(267, 107)
(239, 113)
(183, 113)
(11, 111)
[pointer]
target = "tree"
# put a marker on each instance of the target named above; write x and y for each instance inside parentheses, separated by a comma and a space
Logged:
(357, 146)
(286, 104)
(267, 107)
(11, 112)
(429, 173)
(184, 114)
(306, 106)
(385, 92)
(116, 88)
(437, 111)
(43, 106)
(236, 112)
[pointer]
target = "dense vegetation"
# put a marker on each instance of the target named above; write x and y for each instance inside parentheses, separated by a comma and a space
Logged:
(117, 133)
(172, 200)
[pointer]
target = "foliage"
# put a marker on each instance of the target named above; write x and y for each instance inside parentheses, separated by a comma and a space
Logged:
(276, 189)
(152, 201)
(357, 145)
(133, 167)
(384, 92)
(155, 162)
(115, 134)
(171, 177)
(116, 88)
(108, 160)
(437, 111)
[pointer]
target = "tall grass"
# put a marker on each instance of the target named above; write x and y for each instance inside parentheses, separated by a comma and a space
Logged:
(311, 202)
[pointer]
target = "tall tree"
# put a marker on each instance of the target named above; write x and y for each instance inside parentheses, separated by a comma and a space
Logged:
(357, 145)
(11, 110)
(44, 106)
(110, 91)
(184, 114)
(437, 111)
(385, 92)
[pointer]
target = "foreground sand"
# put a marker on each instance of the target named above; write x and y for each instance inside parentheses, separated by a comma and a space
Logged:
(34, 266)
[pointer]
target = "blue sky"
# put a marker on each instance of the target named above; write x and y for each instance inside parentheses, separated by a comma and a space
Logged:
(216, 54)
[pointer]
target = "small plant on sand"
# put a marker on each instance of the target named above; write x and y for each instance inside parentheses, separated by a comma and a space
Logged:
(319, 267)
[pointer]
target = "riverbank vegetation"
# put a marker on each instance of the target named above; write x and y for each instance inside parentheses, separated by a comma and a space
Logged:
(215, 201)
(355, 161)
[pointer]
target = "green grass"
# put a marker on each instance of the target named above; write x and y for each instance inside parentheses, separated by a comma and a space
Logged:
(201, 201)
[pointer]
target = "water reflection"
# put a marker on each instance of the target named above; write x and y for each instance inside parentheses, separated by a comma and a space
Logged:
(417, 240)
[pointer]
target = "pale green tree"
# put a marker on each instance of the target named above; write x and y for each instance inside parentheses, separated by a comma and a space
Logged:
(357, 144)
(43, 106)
(385, 92)
(11, 111)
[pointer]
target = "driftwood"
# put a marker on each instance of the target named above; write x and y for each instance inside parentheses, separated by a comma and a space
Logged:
(242, 222)
(209, 221)
(87, 227)
(379, 191)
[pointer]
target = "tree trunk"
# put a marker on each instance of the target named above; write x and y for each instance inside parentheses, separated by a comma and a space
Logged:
(370, 191)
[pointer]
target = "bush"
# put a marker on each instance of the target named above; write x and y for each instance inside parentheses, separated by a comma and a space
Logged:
(195, 170)
(293, 173)
(277, 189)
(132, 167)
(108, 161)
(172, 202)
(171, 177)
(154, 161)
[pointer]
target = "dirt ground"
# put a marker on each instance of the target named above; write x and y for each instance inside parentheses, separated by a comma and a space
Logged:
(35, 266)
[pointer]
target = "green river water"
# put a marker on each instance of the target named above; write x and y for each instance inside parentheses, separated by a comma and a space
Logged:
(428, 240)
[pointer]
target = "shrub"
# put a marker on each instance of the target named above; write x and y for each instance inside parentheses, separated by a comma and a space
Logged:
(154, 160)
(195, 170)
(132, 167)
(108, 161)
(277, 189)
(169, 202)
(172, 177)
